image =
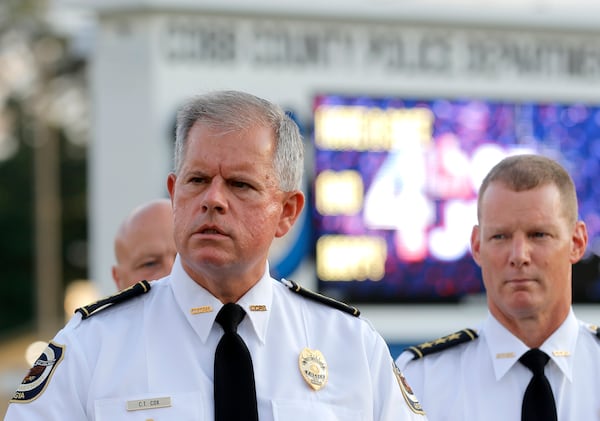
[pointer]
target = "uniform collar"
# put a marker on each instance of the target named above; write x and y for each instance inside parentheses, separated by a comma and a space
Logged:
(506, 349)
(560, 346)
(200, 307)
(258, 304)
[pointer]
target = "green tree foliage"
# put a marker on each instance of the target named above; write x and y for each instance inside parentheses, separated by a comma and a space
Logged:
(16, 245)
(38, 77)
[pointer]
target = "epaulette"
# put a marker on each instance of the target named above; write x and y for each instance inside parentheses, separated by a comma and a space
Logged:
(321, 298)
(595, 330)
(141, 287)
(445, 342)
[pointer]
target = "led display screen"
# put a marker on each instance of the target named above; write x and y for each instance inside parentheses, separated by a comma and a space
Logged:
(395, 189)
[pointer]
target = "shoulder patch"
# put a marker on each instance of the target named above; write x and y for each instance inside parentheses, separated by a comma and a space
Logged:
(407, 392)
(141, 287)
(445, 342)
(331, 302)
(38, 377)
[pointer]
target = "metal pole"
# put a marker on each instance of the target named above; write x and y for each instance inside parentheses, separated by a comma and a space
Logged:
(48, 238)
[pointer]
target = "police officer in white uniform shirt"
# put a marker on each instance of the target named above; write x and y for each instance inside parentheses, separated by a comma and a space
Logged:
(149, 352)
(527, 239)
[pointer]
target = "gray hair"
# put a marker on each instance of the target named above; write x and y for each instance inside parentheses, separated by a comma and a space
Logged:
(232, 111)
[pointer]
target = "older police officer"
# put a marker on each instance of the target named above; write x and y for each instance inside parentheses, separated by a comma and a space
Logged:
(181, 349)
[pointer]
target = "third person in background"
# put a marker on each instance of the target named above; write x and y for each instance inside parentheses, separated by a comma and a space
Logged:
(144, 244)
(531, 359)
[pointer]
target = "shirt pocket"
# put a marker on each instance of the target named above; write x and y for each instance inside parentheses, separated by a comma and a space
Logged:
(152, 407)
(290, 410)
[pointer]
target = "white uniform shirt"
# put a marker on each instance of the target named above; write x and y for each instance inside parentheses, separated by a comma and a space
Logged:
(158, 349)
(482, 380)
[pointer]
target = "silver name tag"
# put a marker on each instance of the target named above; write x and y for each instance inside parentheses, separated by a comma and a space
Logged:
(148, 403)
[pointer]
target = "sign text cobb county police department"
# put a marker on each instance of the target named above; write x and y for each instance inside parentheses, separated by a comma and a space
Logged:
(381, 48)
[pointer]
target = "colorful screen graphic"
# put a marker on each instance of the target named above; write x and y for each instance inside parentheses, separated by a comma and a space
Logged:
(396, 183)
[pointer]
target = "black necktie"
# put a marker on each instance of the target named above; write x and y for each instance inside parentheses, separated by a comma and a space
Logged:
(538, 401)
(235, 394)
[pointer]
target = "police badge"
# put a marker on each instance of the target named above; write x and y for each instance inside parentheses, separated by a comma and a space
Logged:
(313, 368)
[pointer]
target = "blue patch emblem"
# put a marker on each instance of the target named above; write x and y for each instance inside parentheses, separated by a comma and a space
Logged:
(39, 375)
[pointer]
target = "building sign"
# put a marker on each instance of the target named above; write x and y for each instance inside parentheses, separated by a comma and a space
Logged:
(380, 48)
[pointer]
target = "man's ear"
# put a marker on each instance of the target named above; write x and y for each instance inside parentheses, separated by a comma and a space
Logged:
(579, 242)
(475, 243)
(171, 179)
(292, 207)
(115, 276)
